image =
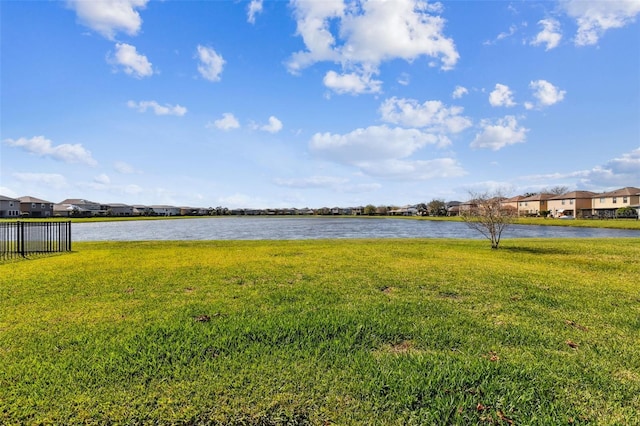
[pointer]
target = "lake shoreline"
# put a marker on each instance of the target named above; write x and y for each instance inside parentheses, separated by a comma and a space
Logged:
(317, 227)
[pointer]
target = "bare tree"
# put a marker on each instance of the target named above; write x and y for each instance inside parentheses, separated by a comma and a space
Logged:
(556, 190)
(487, 215)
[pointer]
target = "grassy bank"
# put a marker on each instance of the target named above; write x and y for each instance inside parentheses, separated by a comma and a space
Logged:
(324, 332)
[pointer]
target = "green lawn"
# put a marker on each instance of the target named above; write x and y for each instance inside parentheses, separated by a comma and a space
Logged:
(412, 331)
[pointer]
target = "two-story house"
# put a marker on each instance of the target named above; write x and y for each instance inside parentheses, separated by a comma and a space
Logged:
(534, 204)
(574, 203)
(88, 208)
(35, 207)
(9, 207)
(606, 204)
(162, 210)
(118, 209)
(511, 203)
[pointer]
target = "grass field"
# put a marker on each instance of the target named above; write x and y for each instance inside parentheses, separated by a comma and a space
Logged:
(324, 332)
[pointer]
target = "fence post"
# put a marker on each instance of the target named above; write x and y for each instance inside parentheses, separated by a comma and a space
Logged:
(20, 235)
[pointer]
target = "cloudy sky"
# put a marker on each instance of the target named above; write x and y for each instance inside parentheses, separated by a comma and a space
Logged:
(316, 103)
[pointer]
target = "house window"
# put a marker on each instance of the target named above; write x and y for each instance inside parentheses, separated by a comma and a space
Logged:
(571, 202)
(602, 200)
(10, 203)
(624, 200)
(615, 200)
(42, 206)
(33, 205)
(563, 202)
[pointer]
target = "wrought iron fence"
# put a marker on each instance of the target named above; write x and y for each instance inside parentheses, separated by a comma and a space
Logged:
(22, 239)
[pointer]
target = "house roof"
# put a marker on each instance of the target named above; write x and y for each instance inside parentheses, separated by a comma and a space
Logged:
(538, 197)
(513, 199)
(77, 201)
(5, 198)
(575, 195)
(629, 190)
(33, 200)
(63, 207)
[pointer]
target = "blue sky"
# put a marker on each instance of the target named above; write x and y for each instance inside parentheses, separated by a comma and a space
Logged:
(316, 103)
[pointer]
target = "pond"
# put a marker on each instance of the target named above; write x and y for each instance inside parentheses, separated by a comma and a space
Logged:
(302, 228)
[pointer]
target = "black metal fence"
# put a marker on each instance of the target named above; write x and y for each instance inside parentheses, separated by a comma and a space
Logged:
(22, 239)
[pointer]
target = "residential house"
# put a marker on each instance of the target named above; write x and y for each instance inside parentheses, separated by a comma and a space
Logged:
(306, 211)
(453, 208)
(404, 211)
(35, 207)
(534, 204)
(9, 207)
(512, 203)
(85, 207)
(574, 203)
(162, 210)
(118, 209)
(606, 204)
(70, 210)
(141, 210)
(467, 206)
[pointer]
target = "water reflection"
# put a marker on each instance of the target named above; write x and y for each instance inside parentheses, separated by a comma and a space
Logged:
(294, 228)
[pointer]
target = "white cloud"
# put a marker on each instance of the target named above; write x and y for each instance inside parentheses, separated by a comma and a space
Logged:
(53, 180)
(131, 61)
(628, 163)
(8, 192)
(361, 35)
(124, 168)
(313, 25)
(503, 35)
(227, 122)
(211, 63)
(430, 114)
(358, 188)
(254, 8)
(131, 189)
(373, 144)
(507, 34)
(503, 132)
(108, 17)
(619, 172)
(404, 79)
(102, 179)
(550, 34)
(546, 93)
(352, 83)
(43, 147)
(158, 109)
(274, 125)
(459, 92)
(239, 200)
(501, 96)
(383, 152)
(312, 182)
(594, 18)
(416, 170)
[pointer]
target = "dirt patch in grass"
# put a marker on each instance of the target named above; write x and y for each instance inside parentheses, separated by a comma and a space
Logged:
(405, 347)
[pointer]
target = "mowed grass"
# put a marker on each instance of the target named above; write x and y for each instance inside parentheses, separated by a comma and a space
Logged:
(323, 332)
